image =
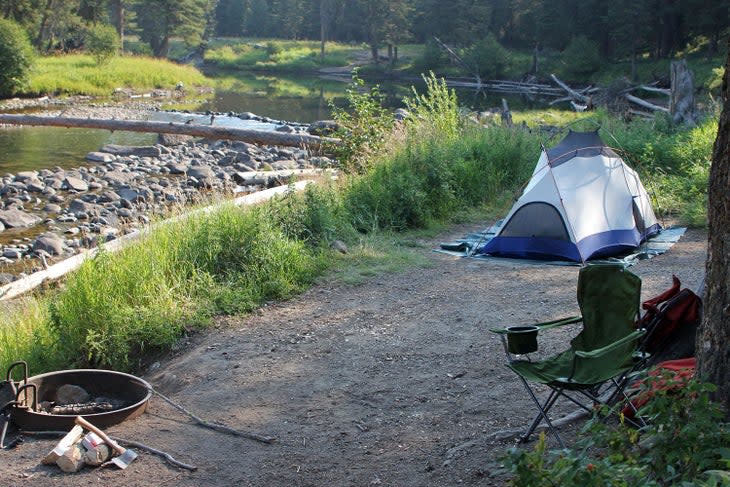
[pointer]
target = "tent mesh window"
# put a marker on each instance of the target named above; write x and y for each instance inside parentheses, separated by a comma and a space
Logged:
(536, 219)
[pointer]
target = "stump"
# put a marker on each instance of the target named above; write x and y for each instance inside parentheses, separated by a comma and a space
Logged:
(682, 103)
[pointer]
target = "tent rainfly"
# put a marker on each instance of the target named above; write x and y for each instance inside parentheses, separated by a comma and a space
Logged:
(583, 202)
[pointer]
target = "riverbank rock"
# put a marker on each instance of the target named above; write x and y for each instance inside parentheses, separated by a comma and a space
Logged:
(49, 242)
(139, 151)
(99, 157)
(14, 218)
(323, 128)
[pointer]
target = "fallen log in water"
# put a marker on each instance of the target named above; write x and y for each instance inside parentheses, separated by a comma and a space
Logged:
(260, 137)
(16, 288)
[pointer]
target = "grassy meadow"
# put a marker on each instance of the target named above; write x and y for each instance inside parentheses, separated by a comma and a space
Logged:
(80, 74)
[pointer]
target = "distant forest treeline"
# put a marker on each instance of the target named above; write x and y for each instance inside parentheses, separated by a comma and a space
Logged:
(659, 28)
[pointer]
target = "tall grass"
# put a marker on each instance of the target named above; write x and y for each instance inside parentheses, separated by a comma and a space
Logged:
(437, 164)
(80, 74)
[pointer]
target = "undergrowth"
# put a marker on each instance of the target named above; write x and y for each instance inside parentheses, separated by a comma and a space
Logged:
(685, 443)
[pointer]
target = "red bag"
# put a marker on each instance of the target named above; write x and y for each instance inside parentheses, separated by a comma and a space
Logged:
(681, 371)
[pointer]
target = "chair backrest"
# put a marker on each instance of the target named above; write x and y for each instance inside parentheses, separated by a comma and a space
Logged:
(609, 297)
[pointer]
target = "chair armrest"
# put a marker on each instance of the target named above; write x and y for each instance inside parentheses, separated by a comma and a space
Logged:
(610, 347)
(543, 326)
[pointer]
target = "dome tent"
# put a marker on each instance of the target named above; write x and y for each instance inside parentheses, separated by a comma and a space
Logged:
(582, 202)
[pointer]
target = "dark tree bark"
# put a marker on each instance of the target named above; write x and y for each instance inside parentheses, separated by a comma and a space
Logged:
(118, 8)
(713, 352)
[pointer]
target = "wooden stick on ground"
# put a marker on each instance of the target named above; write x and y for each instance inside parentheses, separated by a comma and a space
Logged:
(214, 426)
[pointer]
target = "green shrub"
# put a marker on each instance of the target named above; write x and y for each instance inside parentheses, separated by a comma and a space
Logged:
(16, 58)
(685, 443)
(487, 57)
(102, 42)
(435, 111)
(364, 126)
(580, 59)
(433, 58)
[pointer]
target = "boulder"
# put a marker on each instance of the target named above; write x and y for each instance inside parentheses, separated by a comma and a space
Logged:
(99, 157)
(49, 242)
(323, 127)
(125, 150)
(14, 218)
(76, 184)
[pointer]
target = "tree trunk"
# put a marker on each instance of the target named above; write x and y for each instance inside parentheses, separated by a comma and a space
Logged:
(322, 27)
(374, 52)
(164, 48)
(713, 353)
(42, 30)
(119, 20)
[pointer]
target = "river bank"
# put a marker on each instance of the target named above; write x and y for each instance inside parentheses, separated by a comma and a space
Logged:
(55, 212)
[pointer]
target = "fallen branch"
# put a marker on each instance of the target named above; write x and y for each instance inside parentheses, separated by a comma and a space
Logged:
(214, 426)
(169, 458)
(248, 135)
(646, 104)
(571, 91)
(654, 89)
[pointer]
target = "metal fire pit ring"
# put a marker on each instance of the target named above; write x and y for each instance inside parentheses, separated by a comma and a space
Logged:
(134, 391)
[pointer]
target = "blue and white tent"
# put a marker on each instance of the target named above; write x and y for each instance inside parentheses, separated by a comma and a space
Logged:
(583, 202)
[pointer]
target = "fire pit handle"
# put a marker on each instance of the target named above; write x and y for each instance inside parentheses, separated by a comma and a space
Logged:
(9, 376)
(23, 389)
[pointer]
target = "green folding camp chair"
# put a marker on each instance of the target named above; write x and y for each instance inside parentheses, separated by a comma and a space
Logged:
(593, 370)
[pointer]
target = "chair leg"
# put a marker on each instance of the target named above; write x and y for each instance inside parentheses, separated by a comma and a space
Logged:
(542, 415)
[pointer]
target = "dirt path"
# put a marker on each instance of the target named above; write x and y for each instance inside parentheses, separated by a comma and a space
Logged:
(395, 382)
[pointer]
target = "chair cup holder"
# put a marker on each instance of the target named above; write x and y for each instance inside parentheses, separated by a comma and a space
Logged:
(522, 339)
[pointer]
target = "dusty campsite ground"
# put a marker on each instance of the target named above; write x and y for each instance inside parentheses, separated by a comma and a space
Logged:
(393, 382)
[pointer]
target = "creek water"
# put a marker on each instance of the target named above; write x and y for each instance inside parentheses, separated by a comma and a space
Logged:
(298, 99)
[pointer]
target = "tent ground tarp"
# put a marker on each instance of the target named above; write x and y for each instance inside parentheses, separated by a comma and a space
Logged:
(657, 245)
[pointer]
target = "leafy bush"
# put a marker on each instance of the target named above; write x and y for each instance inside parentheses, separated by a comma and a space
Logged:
(363, 127)
(433, 58)
(580, 59)
(436, 110)
(685, 443)
(16, 58)
(102, 42)
(488, 57)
